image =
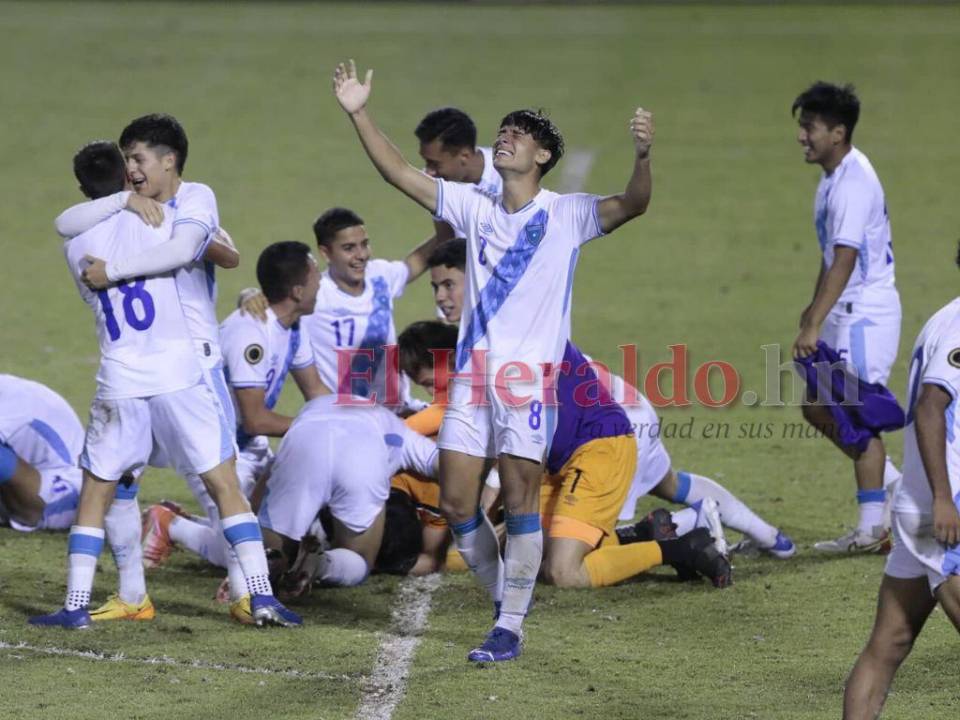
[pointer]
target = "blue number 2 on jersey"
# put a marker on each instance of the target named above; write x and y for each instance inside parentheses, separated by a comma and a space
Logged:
(132, 292)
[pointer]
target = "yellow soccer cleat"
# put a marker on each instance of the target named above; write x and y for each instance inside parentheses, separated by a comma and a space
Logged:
(116, 609)
(240, 611)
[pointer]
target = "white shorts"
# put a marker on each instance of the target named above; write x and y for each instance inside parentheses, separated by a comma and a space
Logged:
(60, 492)
(867, 343)
(253, 461)
(494, 427)
(310, 473)
(187, 425)
(653, 461)
(917, 553)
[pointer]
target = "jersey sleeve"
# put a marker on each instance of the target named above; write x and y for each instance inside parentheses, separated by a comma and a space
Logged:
(198, 207)
(419, 453)
(849, 214)
(582, 214)
(397, 273)
(943, 366)
(80, 218)
(244, 345)
(187, 244)
(456, 205)
(303, 357)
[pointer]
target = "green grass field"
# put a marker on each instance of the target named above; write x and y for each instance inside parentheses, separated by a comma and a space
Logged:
(723, 262)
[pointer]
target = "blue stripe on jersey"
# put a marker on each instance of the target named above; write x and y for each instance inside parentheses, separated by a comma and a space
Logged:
(503, 280)
(53, 440)
(393, 440)
(218, 378)
(68, 503)
(858, 347)
(292, 346)
(81, 544)
(569, 290)
(820, 222)
(950, 415)
(243, 532)
(8, 463)
(375, 337)
(210, 271)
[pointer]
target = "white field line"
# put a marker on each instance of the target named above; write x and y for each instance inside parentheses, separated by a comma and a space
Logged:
(385, 687)
(574, 170)
(167, 662)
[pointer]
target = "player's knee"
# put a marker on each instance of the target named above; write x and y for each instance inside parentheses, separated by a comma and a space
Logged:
(345, 568)
(892, 645)
(457, 511)
(562, 574)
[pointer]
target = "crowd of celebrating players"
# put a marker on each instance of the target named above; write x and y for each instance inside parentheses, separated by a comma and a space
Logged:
(529, 455)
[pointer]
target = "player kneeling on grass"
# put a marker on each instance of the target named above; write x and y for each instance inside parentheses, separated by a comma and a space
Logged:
(923, 568)
(339, 454)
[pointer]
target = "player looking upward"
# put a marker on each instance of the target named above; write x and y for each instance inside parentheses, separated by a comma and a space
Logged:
(522, 247)
(923, 568)
(855, 307)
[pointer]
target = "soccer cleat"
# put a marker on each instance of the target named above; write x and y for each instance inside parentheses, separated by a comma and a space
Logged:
(157, 544)
(116, 609)
(657, 525)
(240, 611)
(856, 541)
(70, 619)
(783, 548)
(708, 516)
(267, 610)
(500, 644)
(700, 557)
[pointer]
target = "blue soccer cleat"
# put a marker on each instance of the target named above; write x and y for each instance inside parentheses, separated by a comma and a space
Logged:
(501, 644)
(267, 610)
(783, 547)
(70, 619)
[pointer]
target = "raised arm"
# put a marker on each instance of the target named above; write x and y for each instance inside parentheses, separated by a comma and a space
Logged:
(615, 210)
(352, 96)
(416, 261)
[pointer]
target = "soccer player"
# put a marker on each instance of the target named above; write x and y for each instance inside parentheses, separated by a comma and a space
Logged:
(259, 357)
(522, 248)
(855, 307)
(150, 388)
(447, 265)
(923, 568)
(341, 457)
(40, 440)
(156, 152)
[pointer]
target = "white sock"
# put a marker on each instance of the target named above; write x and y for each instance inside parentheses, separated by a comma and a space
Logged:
(521, 563)
(243, 533)
(685, 520)
(83, 549)
(205, 540)
(871, 504)
(342, 567)
(123, 531)
(477, 542)
(890, 473)
(733, 513)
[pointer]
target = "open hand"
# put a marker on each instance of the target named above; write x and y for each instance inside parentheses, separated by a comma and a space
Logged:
(351, 93)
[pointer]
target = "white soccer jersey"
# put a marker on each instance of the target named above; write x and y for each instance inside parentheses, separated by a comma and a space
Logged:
(38, 424)
(935, 361)
(362, 322)
(144, 343)
(519, 272)
(490, 181)
(196, 204)
(342, 457)
(850, 210)
(260, 355)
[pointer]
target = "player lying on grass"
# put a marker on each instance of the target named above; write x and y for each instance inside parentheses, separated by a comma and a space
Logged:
(40, 440)
(855, 307)
(339, 457)
(354, 315)
(150, 389)
(156, 152)
(522, 247)
(259, 357)
(923, 569)
(590, 469)
(654, 474)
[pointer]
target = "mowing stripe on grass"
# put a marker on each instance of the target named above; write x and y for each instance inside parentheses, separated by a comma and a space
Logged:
(170, 662)
(574, 170)
(385, 688)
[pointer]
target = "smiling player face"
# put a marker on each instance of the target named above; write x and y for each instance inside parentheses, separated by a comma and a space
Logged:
(818, 140)
(152, 170)
(347, 255)
(515, 151)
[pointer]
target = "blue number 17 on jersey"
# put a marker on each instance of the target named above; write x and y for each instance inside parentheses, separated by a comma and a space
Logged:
(134, 292)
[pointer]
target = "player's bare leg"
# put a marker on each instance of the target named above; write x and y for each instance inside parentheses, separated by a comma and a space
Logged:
(902, 608)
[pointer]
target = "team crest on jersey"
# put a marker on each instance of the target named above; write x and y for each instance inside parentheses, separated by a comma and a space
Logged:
(954, 357)
(253, 354)
(534, 233)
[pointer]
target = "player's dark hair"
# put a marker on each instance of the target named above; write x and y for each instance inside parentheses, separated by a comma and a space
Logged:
(402, 536)
(333, 221)
(835, 104)
(159, 131)
(100, 169)
(453, 127)
(542, 130)
(451, 254)
(280, 267)
(418, 339)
